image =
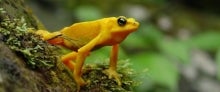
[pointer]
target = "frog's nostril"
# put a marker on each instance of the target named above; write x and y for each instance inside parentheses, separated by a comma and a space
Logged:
(136, 23)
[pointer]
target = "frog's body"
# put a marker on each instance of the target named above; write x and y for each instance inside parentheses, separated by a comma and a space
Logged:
(85, 36)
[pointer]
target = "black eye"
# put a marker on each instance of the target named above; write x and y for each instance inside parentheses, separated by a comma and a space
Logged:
(121, 21)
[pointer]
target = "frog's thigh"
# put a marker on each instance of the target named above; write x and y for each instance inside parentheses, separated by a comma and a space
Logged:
(52, 35)
(47, 35)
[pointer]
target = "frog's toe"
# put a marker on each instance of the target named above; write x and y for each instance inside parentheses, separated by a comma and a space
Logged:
(80, 82)
(113, 74)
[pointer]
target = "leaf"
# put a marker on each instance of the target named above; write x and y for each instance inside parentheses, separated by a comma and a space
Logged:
(160, 69)
(150, 32)
(207, 40)
(218, 63)
(134, 41)
(175, 49)
(86, 13)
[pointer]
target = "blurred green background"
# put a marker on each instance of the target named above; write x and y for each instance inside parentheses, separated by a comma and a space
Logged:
(176, 48)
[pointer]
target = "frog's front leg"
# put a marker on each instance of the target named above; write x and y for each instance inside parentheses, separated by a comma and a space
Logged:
(111, 72)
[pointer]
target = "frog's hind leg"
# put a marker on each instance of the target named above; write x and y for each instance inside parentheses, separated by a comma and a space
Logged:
(74, 66)
(68, 60)
(47, 35)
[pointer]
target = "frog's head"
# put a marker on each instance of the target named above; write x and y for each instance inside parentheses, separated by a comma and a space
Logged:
(121, 26)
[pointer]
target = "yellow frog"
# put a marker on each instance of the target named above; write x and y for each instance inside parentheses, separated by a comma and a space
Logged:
(86, 36)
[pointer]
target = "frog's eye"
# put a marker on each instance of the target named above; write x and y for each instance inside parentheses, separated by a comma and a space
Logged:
(122, 21)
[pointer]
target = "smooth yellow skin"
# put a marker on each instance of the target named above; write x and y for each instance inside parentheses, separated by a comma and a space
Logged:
(85, 36)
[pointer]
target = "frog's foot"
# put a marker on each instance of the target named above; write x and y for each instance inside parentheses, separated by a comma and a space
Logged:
(80, 82)
(112, 73)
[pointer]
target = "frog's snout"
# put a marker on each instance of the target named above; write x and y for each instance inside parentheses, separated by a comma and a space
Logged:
(134, 22)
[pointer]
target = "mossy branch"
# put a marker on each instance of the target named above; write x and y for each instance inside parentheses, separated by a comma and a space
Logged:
(28, 64)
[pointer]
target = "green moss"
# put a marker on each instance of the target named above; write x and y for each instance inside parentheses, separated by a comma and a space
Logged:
(37, 53)
(99, 81)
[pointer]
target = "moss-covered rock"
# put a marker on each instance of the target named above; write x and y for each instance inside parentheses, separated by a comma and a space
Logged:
(28, 64)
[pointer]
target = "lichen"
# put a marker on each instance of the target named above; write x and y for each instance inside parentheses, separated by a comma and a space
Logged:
(2, 10)
(37, 53)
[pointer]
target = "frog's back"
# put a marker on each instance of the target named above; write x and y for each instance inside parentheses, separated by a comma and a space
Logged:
(80, 34)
